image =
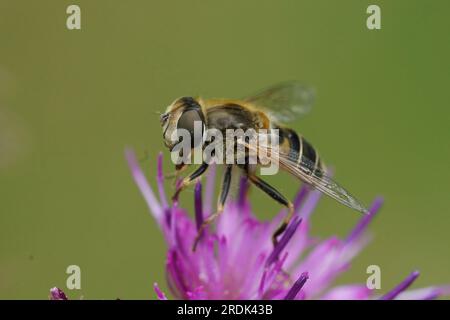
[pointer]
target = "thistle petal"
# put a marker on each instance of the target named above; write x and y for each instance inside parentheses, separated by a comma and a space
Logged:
(144, 187)
(57, 294)
(159, 293)
(401, 287)
(198, 205)
(298, 285)
(365, 220)
(287, 235)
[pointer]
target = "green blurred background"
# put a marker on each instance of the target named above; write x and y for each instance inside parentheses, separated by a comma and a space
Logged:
(71, 101)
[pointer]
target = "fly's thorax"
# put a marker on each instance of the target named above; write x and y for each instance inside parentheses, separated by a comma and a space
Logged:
(234, 115)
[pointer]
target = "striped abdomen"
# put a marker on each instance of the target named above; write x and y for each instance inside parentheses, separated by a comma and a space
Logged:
(299, 149)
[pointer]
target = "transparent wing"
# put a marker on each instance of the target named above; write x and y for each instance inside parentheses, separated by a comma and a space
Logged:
(319, 180)
(286, 101)
(306, 171)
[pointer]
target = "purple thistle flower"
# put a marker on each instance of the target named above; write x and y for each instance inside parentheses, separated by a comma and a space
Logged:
(238, 261)
(57, 294)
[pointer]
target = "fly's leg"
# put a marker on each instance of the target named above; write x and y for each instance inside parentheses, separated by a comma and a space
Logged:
(178, 169)
(277, 196)
(190, 179)
(220, 204)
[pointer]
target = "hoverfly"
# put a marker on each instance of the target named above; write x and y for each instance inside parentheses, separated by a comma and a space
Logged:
(265, 110)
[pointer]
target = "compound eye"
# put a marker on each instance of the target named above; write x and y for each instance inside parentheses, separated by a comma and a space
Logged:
(189, 120)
